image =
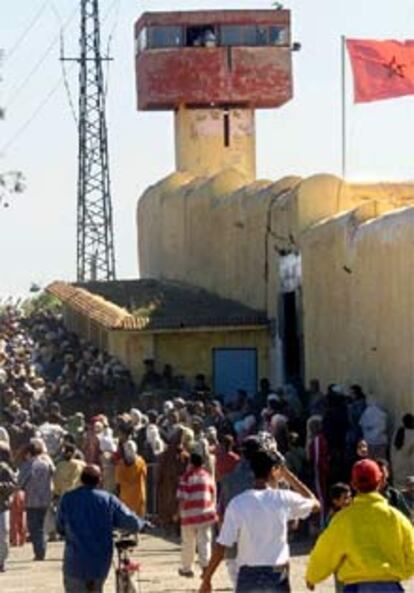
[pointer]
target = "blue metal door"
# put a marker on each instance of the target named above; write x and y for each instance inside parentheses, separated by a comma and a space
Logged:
(233, 369)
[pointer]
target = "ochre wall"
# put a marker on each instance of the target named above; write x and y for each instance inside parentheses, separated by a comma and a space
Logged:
(131, 348)
(209, 232)
(225, 234)
(358, 291)
(200, 147)
(191, 353)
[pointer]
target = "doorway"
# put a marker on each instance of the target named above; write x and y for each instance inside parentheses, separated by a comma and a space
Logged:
(291, 341)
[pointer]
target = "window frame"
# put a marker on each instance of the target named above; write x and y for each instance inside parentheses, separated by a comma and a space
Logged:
(143, 39)
(179, 29)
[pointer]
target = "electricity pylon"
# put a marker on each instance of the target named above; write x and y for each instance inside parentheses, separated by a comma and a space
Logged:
(95, 235)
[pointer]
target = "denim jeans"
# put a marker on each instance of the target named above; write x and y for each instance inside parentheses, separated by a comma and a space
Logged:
(376, 587)
(262, 579)
(36, 527)
(74, 585)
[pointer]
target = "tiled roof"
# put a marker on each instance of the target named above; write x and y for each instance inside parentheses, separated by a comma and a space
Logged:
(154, 305)
(94, 306)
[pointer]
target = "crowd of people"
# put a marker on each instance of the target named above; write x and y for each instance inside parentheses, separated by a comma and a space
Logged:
(179, 452)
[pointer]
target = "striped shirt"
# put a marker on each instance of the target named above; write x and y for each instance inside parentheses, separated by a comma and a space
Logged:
(197, 496)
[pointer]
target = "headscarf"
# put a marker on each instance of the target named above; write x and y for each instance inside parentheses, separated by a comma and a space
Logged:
(130, 451)
(136, 417)
(106, 442)
(168, 407)
(154, 439)
(4, 435)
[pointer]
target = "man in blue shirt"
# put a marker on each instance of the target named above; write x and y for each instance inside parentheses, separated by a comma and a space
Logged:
(86, 518)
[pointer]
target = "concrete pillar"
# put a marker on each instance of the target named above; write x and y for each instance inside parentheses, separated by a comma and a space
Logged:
(208, 141)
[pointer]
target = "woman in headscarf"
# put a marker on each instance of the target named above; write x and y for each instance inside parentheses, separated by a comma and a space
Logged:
(402, 451)
(131, 479)
(108, 449)
(92, 447)
(172, 463)
(155, 444)
(138, 426)
(318, 455)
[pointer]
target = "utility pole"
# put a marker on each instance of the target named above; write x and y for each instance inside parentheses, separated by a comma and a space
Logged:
(95, 235)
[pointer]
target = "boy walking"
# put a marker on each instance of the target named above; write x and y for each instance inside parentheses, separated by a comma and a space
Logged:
(197, 507)
(257, 521)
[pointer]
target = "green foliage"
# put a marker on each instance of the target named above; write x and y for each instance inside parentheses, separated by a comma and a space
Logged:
(42, 302)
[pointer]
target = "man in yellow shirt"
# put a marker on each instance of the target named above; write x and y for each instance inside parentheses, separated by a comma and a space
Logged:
(68, 472)
(369, 545)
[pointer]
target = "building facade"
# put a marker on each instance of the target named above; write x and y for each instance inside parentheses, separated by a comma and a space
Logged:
(281, 247)
(321, 266)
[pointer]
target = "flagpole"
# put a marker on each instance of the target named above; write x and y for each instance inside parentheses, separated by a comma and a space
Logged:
(343, 97)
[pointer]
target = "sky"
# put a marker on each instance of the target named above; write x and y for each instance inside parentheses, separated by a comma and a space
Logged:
(39, 134)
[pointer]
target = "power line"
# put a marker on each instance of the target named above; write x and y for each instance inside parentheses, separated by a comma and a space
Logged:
(49, 95)
(63, 64)
(27, 30)
(53, 90)
(66, 80)
(111, 37)
(15, 94)
(108, 51)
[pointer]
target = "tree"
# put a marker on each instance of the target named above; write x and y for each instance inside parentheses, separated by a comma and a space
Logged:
(11, 183)
(43, 302)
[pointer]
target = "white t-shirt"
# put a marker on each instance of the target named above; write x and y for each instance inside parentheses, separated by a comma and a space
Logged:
(257, 521)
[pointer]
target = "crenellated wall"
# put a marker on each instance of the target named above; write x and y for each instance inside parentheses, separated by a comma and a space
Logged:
(358, 294)
(227, 235)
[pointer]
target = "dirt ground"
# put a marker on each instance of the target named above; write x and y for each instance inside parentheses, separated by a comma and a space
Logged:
(159, 560)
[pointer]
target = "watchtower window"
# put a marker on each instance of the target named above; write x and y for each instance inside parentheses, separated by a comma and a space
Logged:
(169, 36)
(277, 36)
(201, 36)
(176, 36)
(238, 35)
(252, 35)
(261, 35)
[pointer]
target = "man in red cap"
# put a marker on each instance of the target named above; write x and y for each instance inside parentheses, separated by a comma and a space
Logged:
(368, 545)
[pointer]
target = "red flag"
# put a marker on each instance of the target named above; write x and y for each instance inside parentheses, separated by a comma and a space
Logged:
(382, 69)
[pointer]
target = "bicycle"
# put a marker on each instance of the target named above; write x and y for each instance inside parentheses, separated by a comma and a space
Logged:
(126, 569)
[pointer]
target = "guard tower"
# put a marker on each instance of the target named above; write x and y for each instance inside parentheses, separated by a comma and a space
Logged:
(214, 69)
